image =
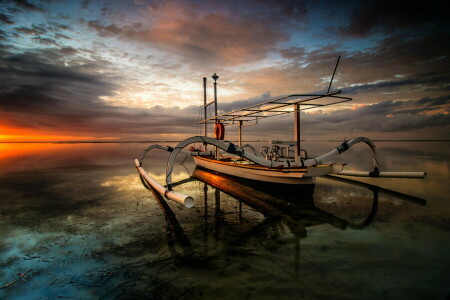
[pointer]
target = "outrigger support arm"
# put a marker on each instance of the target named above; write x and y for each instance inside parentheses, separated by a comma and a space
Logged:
(165, 148)
(342, 148)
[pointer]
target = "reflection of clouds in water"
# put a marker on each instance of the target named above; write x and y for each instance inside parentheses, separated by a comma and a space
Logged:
(123, 183)
(69, 228)
(132, 182)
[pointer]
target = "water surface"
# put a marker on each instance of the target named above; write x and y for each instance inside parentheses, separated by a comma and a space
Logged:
(77, 222)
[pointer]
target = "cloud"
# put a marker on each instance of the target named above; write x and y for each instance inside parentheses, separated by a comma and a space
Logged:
(24, 4)
(41, 96)
(389, 16)
(431, 102)
(397, 66)
(45, 41)
(384, 120)
(389, 116)
(6, 19)
(49, 97)
(2, 37)
(84, 4)
(34, 30)
(258, 47)
(210, 37)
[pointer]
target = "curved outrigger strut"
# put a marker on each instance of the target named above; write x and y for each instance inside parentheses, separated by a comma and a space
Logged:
(231, 148)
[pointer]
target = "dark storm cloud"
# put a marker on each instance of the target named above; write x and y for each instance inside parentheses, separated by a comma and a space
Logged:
(34, 30)
(42, 29)
(24, 4)
(62, 36)
(6, 19)
(34, 67)
(68, 51)
(84, 4)
(419, 79)
(388, 16)
(445, 100)
(389, 116)
(44, 41)
(400, 62)
(3, 36)
(55, 26)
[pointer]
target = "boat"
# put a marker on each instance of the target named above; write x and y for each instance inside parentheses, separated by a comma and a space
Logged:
(281, 162)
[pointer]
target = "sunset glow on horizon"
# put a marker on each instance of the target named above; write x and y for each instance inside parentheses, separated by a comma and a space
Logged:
(132, 70)
(25, 135)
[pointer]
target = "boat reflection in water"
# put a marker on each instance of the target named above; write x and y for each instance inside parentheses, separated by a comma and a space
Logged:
(226, 243)
(281, 208)
(292, 206)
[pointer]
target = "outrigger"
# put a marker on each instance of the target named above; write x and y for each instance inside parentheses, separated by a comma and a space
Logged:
(283, 162)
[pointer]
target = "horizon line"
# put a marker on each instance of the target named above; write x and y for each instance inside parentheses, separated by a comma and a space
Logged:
(170, 141)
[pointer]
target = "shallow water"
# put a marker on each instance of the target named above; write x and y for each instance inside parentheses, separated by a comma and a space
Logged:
(77, 222)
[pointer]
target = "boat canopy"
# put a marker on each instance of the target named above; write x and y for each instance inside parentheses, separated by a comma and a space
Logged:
(278, 106)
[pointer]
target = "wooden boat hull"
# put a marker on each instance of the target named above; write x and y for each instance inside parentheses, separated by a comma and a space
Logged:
(300, 175)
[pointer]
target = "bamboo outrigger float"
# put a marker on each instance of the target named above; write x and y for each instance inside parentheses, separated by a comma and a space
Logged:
(282, 162)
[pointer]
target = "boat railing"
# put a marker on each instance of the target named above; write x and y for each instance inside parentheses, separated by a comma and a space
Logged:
(278, 152)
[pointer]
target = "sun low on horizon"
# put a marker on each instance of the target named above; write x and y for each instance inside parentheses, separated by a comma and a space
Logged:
(132, 70)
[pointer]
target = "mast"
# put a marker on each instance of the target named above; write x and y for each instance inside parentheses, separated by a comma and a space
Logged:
(215, 77)
(297, 132)
(205, 106)
(205, 111)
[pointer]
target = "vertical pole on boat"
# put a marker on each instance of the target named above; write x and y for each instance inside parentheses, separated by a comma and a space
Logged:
(205, 110)
(240, 133)
(297, 132)
(215, 77)
(204, 105)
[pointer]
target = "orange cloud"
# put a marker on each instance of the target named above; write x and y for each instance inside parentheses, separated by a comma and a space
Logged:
(219, 37)
(358, 106)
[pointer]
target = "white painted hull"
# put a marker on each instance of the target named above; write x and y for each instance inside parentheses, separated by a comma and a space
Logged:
(304, 175)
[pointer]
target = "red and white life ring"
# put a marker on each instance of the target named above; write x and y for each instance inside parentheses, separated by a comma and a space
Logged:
(219, 131)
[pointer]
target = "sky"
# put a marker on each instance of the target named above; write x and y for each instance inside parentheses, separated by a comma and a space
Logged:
(132, 69)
